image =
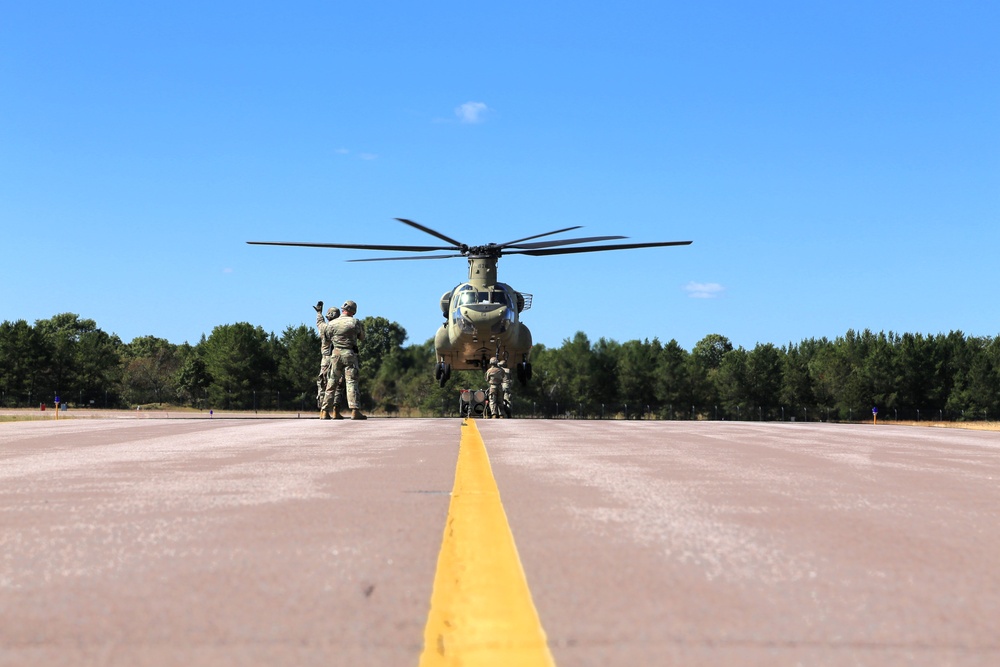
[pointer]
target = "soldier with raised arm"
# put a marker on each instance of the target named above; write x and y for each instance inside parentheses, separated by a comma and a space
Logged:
(326, 344)
(345, 333)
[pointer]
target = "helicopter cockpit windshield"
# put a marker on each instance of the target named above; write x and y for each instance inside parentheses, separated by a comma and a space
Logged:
(468, 295)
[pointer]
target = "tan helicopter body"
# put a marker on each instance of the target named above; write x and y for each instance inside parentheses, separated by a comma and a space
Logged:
(482, 315)
(481, 321)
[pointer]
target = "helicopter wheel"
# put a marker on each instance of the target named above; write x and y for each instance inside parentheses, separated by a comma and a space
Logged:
(524, 372)
(442, 373)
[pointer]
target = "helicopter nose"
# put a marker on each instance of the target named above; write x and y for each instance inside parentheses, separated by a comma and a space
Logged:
(481, 309)
(483, 314)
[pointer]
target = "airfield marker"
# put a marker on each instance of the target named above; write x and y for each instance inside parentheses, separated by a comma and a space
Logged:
(481, 608)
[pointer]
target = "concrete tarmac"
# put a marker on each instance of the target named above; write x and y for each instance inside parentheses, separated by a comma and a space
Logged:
(294, 541)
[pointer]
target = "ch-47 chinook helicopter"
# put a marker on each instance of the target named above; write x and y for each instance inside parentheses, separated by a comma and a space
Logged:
(482, 315)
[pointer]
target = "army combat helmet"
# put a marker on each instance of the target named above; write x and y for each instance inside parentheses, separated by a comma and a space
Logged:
(350, 307)
(332, 313)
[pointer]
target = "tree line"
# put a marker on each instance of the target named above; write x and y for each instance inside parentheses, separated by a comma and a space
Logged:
(243, 367)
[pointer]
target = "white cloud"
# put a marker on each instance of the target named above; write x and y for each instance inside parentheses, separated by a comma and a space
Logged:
(704, 290)
(360, 156)
(471, 112)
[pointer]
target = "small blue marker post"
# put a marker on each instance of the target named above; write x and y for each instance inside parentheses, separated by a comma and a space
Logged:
(875, 415)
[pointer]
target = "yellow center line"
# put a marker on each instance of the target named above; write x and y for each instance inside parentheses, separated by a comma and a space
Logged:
(481, 608)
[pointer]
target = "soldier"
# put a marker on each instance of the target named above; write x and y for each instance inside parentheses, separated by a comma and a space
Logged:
(494, 376)
(345, 333)
(326, 342)
(506, 405)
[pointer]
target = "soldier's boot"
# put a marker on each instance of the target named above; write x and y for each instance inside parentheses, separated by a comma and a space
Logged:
(357, 414)
(323, 414)
(336, 412)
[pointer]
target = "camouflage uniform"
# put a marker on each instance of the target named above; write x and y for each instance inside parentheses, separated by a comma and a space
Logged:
(326, 341)
(506, 385)
(345, 333)
(495, 375)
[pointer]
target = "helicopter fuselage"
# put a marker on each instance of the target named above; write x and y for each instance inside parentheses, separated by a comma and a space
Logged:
(481, 321)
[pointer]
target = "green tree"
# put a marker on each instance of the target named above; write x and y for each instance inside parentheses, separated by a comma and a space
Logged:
(193, 379)
(672, 386)
(824, 365)
(383, 340)
(298, 358)
(637, 375)
(548, 387)
(732, 381)
(764, 377)
(238, 359)
(975, 393)
(709, 351)
(149, 370)
(703, 365)
(796, 386)
(574, 376)
(83, 362)
(23, 359)
(607, 354)
(419, 391)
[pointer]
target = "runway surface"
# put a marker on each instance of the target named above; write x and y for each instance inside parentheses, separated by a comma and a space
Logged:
(294, 541)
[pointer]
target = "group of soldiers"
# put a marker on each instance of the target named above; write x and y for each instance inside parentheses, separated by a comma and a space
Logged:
(498, 377)
(339, 332)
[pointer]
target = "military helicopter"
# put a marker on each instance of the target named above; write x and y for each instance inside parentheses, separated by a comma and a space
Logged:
(481, 315)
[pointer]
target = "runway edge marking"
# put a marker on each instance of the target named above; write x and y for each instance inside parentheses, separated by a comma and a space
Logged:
(481, 608)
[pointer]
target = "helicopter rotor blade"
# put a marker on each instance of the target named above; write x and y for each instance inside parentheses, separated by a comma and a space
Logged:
(618, 246)
(353, 246)
(538, 236)
(550, 244)
(428, 230)
(393, 259)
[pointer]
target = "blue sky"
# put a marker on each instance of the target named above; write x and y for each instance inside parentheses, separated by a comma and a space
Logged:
(837, 164)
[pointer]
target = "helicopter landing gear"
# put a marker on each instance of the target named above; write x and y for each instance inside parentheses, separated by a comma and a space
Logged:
(523, 372)
(442, 373)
